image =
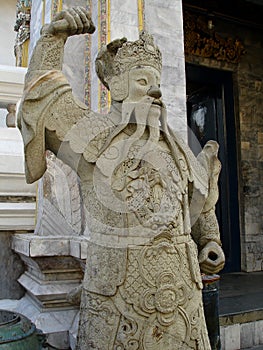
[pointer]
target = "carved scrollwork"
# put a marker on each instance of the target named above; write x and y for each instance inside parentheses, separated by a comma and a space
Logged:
(207, 43)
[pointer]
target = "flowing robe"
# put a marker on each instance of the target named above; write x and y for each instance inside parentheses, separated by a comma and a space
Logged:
(148, 212)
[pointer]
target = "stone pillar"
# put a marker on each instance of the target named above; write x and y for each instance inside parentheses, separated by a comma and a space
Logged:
(17, 210)
(11, 116)
(17, 199)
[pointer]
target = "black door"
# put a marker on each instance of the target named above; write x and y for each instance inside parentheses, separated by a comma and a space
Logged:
(210, 114)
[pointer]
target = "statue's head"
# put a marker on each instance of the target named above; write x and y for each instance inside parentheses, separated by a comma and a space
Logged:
(129, 69)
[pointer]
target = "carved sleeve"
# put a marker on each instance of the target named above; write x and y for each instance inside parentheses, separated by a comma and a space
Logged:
(206, 228)
(47, 104)
(47, 56)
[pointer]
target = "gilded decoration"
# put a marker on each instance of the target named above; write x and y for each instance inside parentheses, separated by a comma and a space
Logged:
(88, 62)
(103, 30)
(141, 14)
(202, 40)
(22, 27)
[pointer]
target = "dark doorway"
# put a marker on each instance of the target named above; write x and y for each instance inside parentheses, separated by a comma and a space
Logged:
(210, 114)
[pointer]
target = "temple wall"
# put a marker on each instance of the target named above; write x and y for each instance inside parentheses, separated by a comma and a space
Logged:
(249, 75)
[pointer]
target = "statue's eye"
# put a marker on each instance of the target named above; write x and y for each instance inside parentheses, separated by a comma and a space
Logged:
(142, 82)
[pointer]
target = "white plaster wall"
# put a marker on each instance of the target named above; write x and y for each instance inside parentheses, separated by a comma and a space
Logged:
(164, 20)
(124, 19)
(7, 33)
(13, 215)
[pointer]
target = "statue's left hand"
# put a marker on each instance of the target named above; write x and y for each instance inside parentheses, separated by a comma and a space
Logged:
(211, 258)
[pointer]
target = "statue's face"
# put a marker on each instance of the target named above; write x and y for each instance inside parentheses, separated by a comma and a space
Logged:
(143, 81)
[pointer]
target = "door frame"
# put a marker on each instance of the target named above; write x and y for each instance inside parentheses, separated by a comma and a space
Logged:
(229, 150)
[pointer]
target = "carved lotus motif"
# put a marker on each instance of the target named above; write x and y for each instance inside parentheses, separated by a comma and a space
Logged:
(165, 299)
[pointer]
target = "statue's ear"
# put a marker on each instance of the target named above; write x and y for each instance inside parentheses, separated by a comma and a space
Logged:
(119, 87)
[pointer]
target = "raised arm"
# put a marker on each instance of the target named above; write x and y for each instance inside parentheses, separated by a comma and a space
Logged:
(49, 50)
(48, 109)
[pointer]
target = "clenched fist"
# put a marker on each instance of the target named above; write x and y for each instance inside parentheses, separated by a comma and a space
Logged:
(211, 258)
(75, 20)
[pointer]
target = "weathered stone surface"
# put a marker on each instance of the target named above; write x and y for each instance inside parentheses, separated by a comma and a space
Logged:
(59, 201)
(55, 324)
(249, 77)
(142, 284)
(35, 246)
(12, 268)
(50, 278)
(230, 337)
(247, 333)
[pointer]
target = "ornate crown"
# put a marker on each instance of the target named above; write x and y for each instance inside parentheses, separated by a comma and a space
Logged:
(121, 55)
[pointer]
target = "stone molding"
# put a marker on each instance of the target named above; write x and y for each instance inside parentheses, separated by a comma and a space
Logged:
(15, 185)
(38, 246)
(11, 84)
(33, 245)
(16, 212)
(17, 216)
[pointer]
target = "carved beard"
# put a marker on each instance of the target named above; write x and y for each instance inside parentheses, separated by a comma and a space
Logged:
(155, 121)
(145, 116)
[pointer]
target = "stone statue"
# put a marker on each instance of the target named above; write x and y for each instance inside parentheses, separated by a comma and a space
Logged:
(150, 204)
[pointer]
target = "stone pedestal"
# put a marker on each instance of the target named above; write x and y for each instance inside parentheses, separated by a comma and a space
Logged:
(53, 269)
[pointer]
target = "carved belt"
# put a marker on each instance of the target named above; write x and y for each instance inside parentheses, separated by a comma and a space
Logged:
(182, 239)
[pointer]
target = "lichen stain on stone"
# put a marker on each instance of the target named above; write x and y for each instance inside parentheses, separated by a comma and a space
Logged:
(157, 333)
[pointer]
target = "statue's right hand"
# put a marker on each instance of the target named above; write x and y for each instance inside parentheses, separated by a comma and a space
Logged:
(76, 20)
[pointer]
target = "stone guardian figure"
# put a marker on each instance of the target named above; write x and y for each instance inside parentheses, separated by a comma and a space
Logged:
(150, 204)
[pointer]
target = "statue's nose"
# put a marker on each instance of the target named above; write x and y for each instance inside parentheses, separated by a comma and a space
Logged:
(154, 92)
